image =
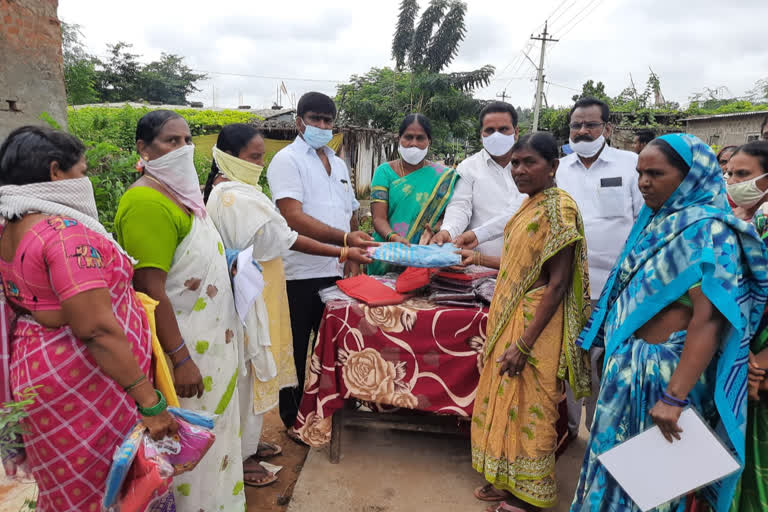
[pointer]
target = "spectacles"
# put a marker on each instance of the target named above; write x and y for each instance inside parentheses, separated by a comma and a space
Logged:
(589, 126)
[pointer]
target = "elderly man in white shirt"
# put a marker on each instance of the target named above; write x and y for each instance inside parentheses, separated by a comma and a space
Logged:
(311, 187)
(485, 188)
(603, 182)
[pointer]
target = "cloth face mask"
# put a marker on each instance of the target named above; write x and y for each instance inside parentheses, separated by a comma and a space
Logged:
(316, 137)
(412, 155)
(176, 170)
(587, 149)
(237, 169)
(498, 144)
(746, 194)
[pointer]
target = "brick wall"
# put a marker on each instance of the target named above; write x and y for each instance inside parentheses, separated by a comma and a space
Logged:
(727, 131)
(31, 66)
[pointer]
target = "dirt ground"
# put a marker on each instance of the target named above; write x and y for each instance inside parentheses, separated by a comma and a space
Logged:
(276, 497)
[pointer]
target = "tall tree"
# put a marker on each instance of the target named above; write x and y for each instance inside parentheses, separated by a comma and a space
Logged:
(401, 43)
(593, 90)
(119, 77)
(168, 80)
(80, 74)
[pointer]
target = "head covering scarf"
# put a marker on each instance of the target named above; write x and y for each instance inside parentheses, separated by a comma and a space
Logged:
(693, 238)
(237, 169)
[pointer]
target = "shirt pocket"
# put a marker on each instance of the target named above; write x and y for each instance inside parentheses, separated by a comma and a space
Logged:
(610, 201)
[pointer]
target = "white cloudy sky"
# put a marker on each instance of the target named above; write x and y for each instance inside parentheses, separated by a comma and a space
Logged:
(312, 45)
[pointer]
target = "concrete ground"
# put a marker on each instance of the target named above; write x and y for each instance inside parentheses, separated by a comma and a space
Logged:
(396, 471)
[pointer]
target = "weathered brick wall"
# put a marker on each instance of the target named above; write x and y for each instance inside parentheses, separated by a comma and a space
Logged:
(31, 66)
(726, 131)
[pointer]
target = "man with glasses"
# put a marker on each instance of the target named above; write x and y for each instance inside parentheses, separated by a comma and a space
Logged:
(603, 182)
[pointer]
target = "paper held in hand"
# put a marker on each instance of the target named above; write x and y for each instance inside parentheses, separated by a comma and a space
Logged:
(653, 471)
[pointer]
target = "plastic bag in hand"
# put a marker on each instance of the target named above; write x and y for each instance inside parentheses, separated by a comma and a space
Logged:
(425, 256)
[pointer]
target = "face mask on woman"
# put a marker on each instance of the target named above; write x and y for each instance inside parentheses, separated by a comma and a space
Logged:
(413, 155)
(176, 170)
(746, 193)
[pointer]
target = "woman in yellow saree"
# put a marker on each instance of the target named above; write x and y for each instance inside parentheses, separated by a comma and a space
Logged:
(540, 306)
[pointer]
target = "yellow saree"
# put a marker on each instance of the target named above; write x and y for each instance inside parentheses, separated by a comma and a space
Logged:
(513, 424)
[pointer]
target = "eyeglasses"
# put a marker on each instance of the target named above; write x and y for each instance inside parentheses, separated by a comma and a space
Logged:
(589, 126)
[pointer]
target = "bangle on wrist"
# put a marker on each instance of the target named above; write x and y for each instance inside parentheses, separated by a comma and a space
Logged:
(523, 347)
(391, 235)
(345, 239)
(177, 365)
(135, 383)
(156, 409)
(181, 345)
(671, 400)
(344, 254)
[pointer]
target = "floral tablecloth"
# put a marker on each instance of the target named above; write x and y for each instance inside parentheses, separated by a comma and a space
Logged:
(414, 355)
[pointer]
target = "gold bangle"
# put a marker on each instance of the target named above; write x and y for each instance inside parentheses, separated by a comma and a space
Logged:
(344, 254)
(345, 239)
(477, 258)
(527, 350)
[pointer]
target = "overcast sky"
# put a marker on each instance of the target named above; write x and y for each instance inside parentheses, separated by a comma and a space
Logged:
(312, 45)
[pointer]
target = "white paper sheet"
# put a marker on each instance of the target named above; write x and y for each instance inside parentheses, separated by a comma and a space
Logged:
(652, 471)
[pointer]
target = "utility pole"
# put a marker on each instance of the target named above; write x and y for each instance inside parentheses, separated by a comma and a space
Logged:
(540, 78)
(503, 95)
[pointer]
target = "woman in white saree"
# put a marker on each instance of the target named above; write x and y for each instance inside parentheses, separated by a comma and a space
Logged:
(248, 221)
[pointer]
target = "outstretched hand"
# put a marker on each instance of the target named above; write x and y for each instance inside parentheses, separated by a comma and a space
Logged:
(467, 240)
(360, 239)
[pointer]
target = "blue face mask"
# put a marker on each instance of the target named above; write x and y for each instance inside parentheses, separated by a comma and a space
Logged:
(316, 137)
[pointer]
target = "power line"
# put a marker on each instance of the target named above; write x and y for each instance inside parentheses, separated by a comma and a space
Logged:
(554, 20)
(586, 11)
(270, 77)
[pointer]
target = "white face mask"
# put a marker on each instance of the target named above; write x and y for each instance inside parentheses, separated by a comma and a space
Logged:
(587, 149)
(413, 155)
(176, 170)
(746, 194)
(498, 144)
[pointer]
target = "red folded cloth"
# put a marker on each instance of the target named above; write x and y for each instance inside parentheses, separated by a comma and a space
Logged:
(367, 289)
(413, 278)
(466, 276)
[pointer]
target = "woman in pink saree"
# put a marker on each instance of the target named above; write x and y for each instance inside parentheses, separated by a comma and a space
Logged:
(72, 330)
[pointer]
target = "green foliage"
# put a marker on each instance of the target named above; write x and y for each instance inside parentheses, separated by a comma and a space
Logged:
(168, 80)
(11, 414)
(593, 90)
(725, 107)
(111, 170)
(50, 121)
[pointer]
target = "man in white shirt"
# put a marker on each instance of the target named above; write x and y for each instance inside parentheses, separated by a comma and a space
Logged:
(311, 187)
(485, 188)
(603, 182)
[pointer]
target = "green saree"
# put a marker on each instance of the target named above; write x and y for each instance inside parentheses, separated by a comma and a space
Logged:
(414, 201)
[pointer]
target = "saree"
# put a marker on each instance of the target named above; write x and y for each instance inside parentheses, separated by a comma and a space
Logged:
(200, 292)
(693, 238)
(514, 436)
(245, 217)
(752, 492)
(414, 201)
(79, 415)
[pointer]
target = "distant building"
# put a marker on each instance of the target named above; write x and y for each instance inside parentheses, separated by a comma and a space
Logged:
(726, 129)
(31, 64)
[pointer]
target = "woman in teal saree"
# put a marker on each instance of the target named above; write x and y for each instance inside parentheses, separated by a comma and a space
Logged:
(409, 195)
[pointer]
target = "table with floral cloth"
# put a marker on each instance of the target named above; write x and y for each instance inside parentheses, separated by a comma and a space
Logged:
(415, 355)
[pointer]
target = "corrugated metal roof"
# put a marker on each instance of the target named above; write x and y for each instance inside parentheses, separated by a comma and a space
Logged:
(723, 116)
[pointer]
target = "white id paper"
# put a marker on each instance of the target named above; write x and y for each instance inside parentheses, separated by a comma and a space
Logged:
(653, 471)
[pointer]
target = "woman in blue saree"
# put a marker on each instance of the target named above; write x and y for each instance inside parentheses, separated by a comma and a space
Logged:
(676, 317)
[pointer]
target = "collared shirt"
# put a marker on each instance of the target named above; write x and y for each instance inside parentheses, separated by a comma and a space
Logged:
(609, 200)
(483, 191)
(296, 172)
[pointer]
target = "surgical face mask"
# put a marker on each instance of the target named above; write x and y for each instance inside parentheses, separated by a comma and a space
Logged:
(746, 194)
(316, 137)
(587, 149)
(413, 155)
(498, 144)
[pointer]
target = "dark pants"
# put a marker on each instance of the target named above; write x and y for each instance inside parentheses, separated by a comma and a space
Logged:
(306, 314)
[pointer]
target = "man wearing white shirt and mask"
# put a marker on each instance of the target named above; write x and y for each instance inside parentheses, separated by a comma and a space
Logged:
(603, 182)
(311, 187)
(485, 188)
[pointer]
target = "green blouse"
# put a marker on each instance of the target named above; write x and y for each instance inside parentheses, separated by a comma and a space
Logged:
(150, 227)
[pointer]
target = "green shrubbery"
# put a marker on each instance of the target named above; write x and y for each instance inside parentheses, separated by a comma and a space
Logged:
(110, 135)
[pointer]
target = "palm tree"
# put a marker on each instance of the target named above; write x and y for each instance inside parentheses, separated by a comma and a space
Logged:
(432, 45)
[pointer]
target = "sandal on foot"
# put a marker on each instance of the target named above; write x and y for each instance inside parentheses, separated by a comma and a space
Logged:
(268, 450)
(489, 493)
(294, 436)
(264, 481)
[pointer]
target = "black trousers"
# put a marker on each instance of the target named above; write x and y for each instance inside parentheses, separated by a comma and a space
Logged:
(306, 314)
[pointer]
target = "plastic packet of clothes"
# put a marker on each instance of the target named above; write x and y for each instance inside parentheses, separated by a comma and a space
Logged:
(143, 469)
(424, 256)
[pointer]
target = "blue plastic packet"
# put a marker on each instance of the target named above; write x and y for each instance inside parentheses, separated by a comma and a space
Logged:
(424, 256)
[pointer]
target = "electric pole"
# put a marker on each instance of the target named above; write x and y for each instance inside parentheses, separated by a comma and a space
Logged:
(540, 76)
(503, 95)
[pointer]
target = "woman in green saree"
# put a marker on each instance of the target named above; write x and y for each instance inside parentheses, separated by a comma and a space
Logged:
(409, 195)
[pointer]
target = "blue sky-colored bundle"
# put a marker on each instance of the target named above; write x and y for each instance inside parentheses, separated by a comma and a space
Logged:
(425, 256)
